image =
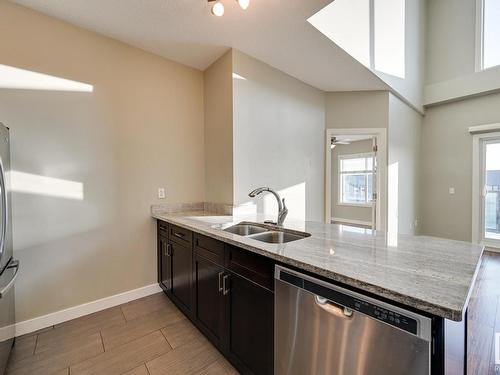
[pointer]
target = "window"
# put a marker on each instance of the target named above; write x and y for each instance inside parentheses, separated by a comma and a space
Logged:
(488, 34)
(356, 179)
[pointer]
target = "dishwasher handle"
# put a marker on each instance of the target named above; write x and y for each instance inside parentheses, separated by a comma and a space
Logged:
(333, 308)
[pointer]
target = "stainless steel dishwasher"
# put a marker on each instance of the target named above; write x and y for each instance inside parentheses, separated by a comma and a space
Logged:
(321, 328)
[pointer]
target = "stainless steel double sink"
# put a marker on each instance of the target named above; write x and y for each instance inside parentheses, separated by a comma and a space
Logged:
(266, 233)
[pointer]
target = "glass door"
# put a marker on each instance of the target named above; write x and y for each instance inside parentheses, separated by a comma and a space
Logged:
(491, 192)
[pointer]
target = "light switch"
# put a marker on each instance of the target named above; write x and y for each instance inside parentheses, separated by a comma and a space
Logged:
(161, 193)
(451, 190)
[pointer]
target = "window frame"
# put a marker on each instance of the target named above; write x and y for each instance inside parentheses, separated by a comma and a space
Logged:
(340, 173)
(479, 60)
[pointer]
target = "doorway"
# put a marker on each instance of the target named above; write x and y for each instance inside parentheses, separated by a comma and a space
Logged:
(355, 177)
(487, 192)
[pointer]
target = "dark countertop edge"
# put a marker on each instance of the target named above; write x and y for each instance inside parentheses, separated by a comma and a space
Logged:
(418, 304)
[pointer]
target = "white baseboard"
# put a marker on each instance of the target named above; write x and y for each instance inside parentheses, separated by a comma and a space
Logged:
(492, 247)
(61, 316)
(351, 221)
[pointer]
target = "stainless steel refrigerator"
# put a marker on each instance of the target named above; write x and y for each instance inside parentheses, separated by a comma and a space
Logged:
(9, 267)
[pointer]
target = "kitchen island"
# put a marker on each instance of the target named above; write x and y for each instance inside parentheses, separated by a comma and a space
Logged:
(431, 276)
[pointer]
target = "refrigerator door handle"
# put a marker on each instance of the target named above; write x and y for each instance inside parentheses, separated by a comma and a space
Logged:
(4, 210)
(6, 288)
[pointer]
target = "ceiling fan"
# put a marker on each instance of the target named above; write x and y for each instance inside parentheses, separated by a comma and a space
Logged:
(334, 142)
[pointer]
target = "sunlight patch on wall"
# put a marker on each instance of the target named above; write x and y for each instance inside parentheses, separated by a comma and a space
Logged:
(371, 31)
(295, 199)
(393, 205)
(237, 76)
(28, 183)
(21, 79)
(347, 24)
(389, 37)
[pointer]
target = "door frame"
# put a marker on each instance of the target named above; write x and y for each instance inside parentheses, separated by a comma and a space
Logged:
(381, 135)
(478, 154)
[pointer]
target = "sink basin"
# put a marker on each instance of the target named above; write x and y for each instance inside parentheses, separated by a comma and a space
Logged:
(264, 232)
(278, 236)
(245, 229)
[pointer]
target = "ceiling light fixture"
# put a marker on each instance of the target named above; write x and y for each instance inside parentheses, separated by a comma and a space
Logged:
(218, 7)
(243, 4)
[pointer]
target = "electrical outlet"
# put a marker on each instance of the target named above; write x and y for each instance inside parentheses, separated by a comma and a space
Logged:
(416, 223)
(161, 193)
(451, 190)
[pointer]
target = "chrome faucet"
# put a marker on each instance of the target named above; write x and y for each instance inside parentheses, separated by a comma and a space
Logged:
(282, 210)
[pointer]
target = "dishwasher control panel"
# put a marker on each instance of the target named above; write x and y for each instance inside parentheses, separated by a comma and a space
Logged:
(388, 316)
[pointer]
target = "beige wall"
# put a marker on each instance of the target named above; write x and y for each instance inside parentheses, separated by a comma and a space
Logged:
(341, 211)
(140, 129)
(278, 125)
(447, 162)
(451, 54)
(403, 143)
(218, 94)
(357, 109)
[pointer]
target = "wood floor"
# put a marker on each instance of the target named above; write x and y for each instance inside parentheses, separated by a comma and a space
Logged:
(150, 336)
(484, 317)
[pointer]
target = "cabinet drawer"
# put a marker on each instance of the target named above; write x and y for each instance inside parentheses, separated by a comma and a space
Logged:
(209, 248)
(252, 266)
(162, 229)
(180, 235)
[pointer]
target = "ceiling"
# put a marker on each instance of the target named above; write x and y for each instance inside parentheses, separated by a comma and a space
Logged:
(275, 32)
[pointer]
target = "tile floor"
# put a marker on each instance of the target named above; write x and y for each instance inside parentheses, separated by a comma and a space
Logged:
(148, 336)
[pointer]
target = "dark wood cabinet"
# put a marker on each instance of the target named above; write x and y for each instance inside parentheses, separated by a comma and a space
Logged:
(164, 264)
(250, 324)
(226, 291)
(181, 268)
(209, 299)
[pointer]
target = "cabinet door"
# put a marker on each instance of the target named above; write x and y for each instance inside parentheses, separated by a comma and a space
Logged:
(164, 264)
(209, 300)
(250, 318)
(181, 258)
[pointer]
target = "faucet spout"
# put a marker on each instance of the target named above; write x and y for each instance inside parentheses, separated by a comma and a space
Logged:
(282, 210)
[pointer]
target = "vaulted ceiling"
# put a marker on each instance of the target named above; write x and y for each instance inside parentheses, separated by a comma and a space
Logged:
(275, 32)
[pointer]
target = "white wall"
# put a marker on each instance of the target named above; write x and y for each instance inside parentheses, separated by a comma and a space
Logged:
(140, 129)
(404, 137)
(278, 135)
(341, 211)
(450, 39)
(411, 87)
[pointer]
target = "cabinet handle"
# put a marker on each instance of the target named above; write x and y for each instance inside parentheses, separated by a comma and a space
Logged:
(220, 281)
(180, 235)
(164, 249)
(225, 289)
(169, 250)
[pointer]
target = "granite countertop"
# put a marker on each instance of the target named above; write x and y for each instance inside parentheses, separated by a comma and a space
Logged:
(430, 274)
